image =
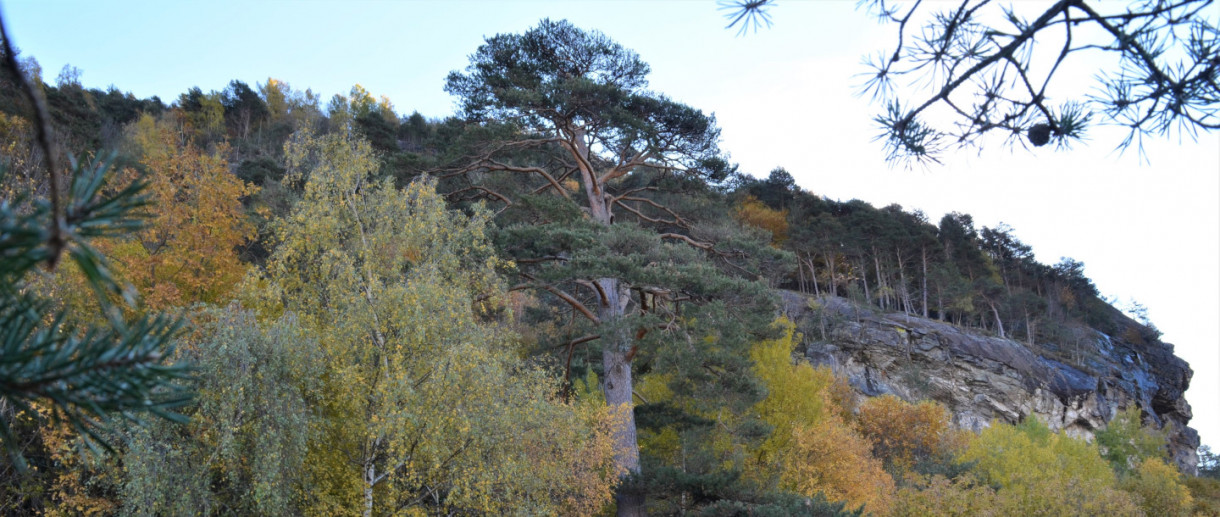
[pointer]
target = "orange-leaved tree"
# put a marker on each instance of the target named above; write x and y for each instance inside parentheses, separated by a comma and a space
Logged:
(756, 213)
(188, 251)
(905, 434)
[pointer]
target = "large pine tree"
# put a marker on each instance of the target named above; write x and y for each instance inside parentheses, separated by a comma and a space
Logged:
(597, 159)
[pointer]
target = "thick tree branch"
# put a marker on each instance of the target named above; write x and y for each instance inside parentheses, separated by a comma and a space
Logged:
(576, 146)
(639, 214)
(641, 158)
(597, 290)
(494, 165)
(677, 219)
(507, 202)
(569, 299)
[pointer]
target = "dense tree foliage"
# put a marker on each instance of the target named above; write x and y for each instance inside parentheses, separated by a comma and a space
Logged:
(909, 436)
(426, 407)
(245, 448)
(488, 314)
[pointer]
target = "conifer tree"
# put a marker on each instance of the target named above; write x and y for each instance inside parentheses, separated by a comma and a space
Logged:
(600, 165)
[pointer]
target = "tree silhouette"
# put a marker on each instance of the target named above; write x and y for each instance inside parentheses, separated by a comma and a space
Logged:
(992, 70)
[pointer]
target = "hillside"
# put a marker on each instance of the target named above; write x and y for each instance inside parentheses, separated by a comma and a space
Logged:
(564, 299)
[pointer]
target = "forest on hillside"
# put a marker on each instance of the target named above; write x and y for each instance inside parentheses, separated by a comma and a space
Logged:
(559, 301)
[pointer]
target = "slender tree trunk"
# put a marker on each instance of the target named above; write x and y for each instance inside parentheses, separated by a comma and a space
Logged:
(864, 278)
(832, 264)
(923, 253)
(370, 474)
(940, 304)
(883, 297)
(800, 275)
(902, 278)
(813, 276)
(999, 325)
(1029, 329)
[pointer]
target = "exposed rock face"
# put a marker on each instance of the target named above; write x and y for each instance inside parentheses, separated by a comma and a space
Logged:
(980, 378)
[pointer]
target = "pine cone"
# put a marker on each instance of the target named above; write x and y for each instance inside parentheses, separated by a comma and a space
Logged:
(1040, 134)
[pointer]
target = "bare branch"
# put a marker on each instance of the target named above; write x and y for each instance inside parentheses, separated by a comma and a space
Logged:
(677, 219)
(569, 299)
(487, 191)
(498, 166)
(688, 240)
(641, 215)
(1003, 53)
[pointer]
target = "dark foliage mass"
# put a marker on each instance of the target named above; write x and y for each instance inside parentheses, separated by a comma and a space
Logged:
(900, 261)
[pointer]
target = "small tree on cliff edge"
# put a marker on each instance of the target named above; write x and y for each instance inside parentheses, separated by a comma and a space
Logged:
(631, 268)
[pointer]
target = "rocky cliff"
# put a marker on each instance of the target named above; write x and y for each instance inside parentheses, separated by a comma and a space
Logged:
(1077, 388)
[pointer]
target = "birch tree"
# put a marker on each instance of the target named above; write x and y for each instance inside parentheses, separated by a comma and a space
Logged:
(424, 404)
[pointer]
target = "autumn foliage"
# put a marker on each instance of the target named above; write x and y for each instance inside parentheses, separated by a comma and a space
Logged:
(189, 250)
(903, 434)
(812, 449)
(357, 346)
(756, 213)
(1159, 489)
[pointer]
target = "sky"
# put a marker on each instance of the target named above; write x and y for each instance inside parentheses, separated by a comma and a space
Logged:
(1146, 227)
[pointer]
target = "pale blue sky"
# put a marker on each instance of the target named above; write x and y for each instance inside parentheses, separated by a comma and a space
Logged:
(783, 97)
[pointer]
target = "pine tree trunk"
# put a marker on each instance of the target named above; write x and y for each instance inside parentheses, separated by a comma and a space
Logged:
(618, 353)
(940, 305)
(864, 278)
(813, 277)
(999, 324)
(883, 298)
(617, 385)
(832, 263)
(902, 279)
(800, 276)
(1029, 329)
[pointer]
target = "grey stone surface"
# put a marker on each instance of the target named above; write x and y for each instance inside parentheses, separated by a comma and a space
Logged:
(981, 378)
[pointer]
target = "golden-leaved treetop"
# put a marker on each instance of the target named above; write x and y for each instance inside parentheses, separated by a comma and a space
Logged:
(188, 251)
(1040, 472)
(812, 449)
